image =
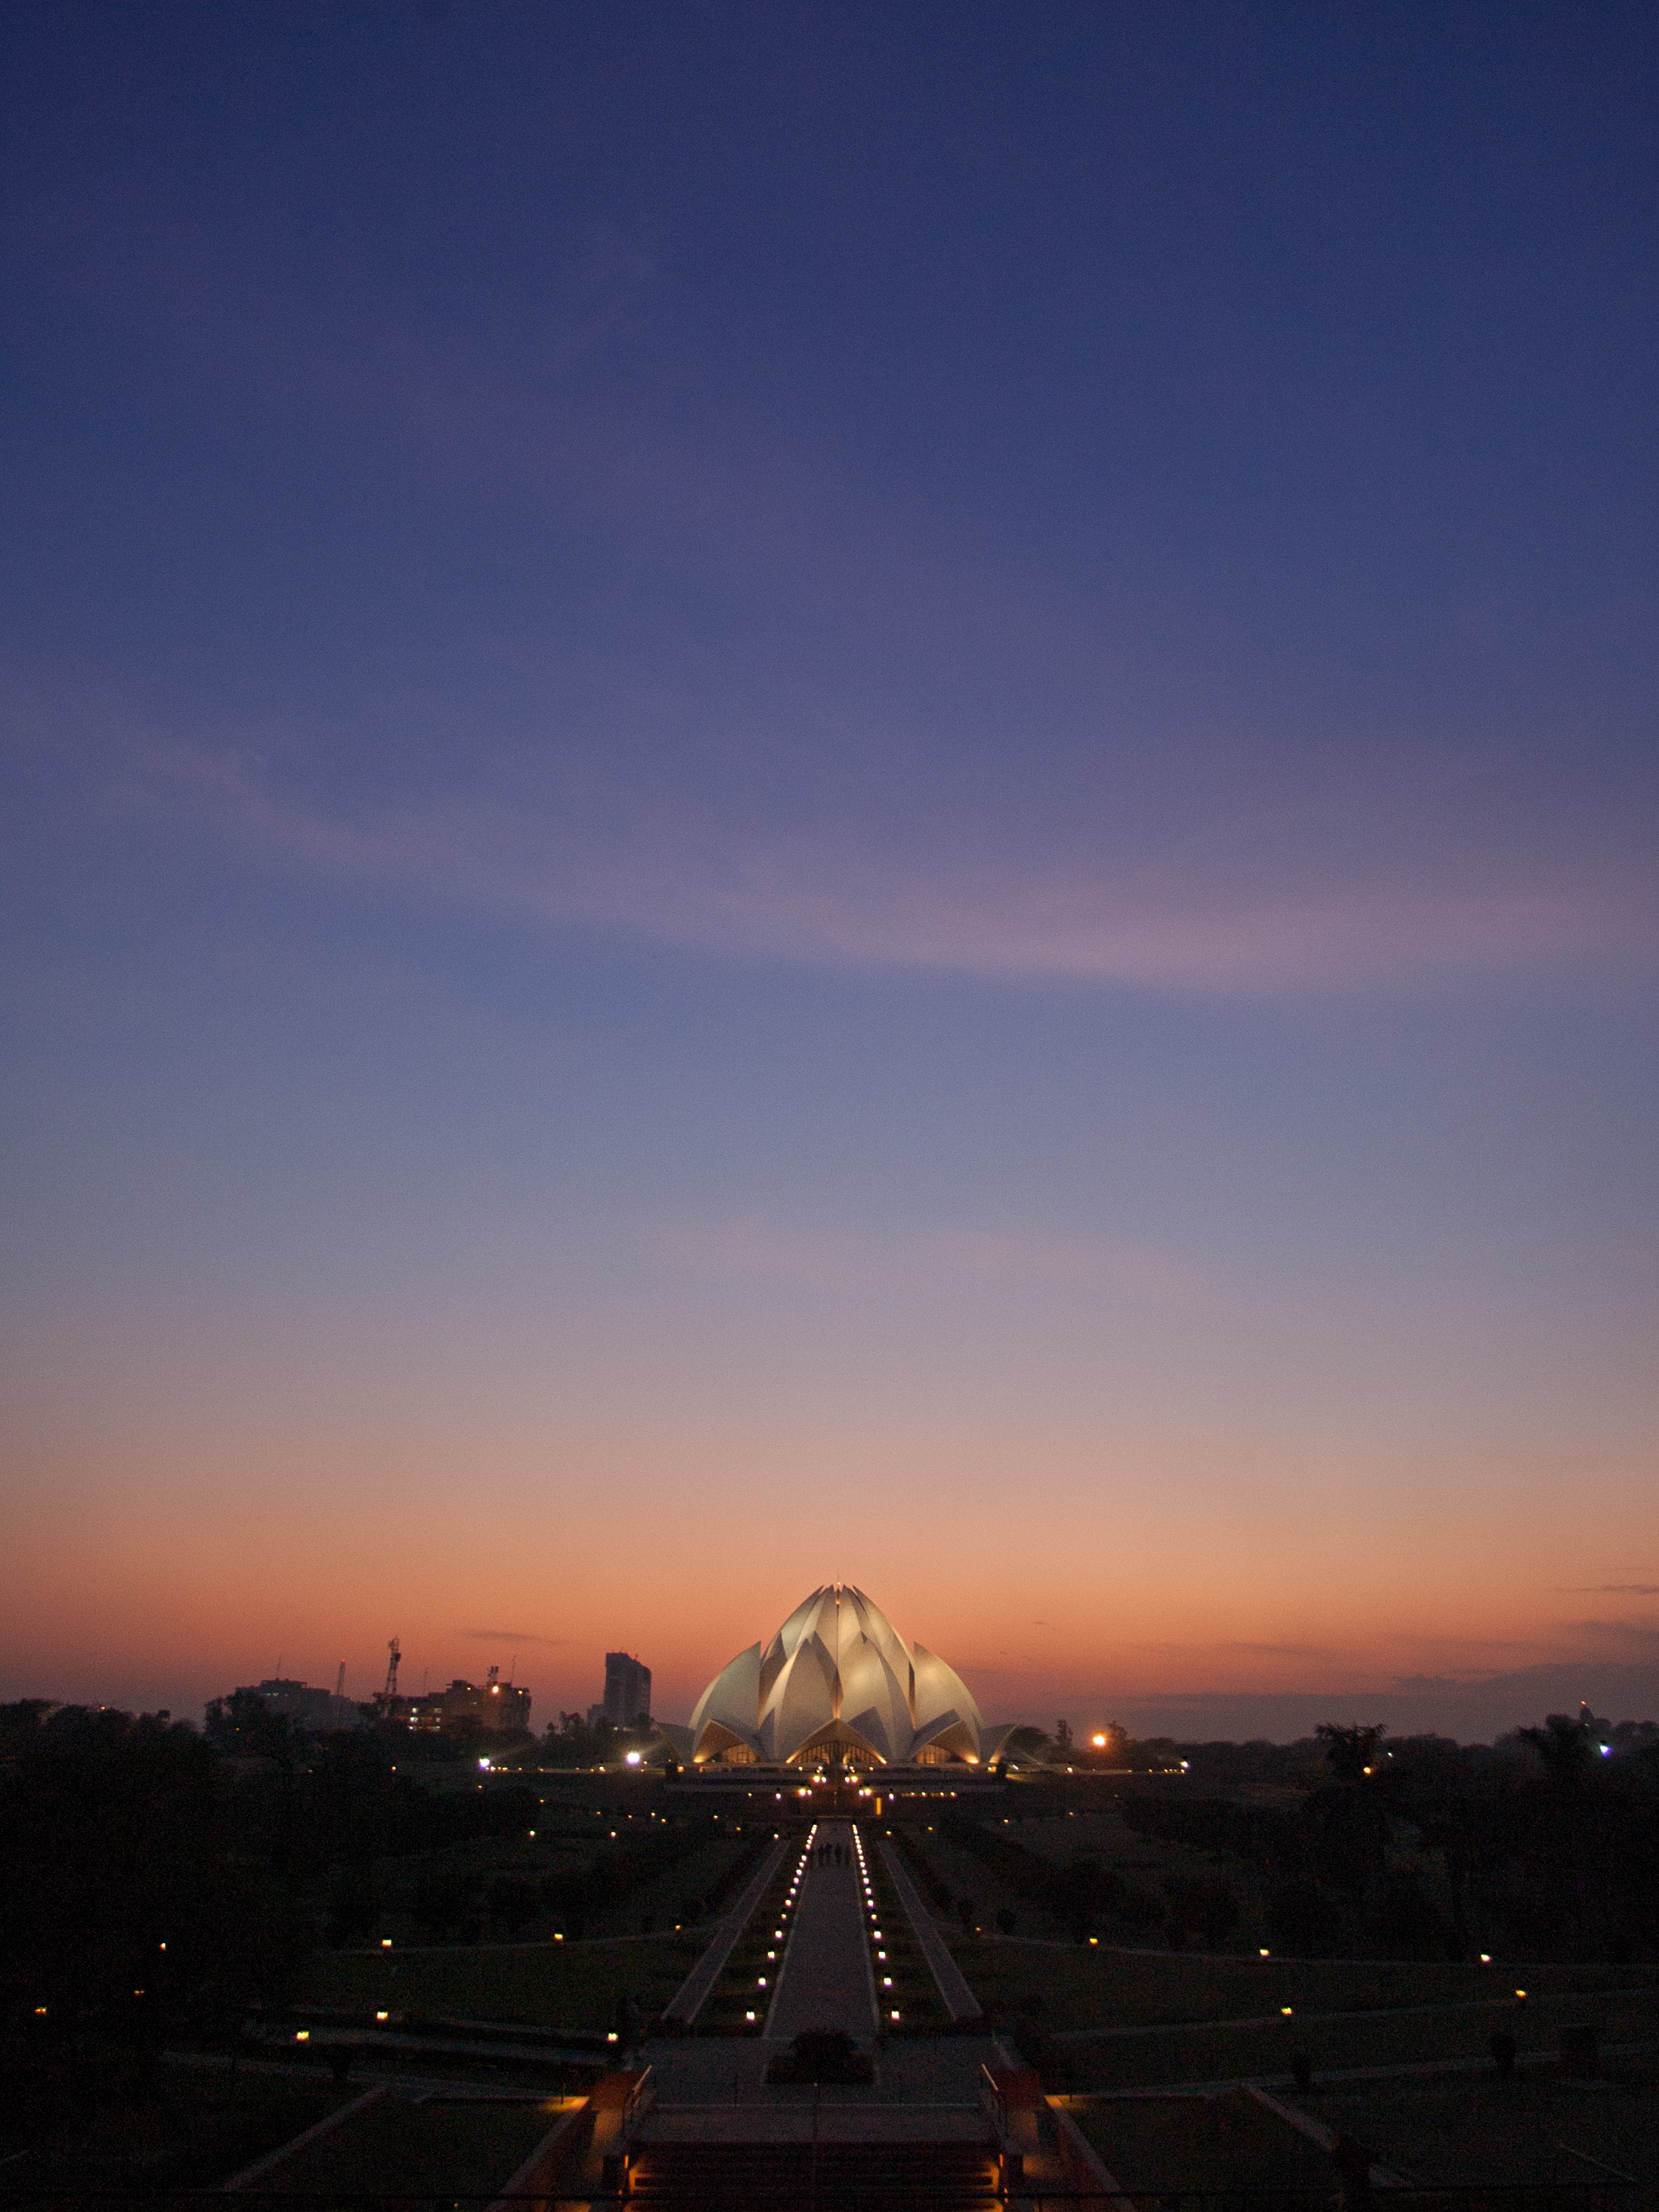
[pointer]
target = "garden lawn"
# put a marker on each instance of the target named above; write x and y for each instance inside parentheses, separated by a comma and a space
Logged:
(573, 1986)
(1079, 1986)
(757, 1951)
(915, 1994)
(1229, 2141)
(1453, 2127)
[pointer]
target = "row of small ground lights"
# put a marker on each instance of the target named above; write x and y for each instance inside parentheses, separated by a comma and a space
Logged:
(1219, 2052)
(1097, 1986)
(908, 1994)
(743, 1994)
(890, 2013)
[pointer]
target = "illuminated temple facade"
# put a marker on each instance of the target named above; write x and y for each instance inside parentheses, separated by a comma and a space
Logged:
(837, 1685)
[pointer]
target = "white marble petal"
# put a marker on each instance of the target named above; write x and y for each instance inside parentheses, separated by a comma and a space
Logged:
(837, 1672)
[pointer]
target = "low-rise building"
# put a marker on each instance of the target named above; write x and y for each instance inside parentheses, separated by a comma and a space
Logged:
(497, 1706)
(317, 1711)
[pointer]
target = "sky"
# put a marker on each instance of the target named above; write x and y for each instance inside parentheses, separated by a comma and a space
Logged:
(803, 791)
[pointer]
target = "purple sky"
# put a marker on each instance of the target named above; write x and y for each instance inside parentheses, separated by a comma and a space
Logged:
(803, 791)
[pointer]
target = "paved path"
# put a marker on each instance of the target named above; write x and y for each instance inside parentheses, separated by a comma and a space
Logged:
(826, 1980)
(959, 2000)
(688, 1999)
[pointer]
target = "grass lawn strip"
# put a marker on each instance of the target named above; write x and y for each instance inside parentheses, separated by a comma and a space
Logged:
(1451, 2129)
(1218, 2053)
(690, 1999)
(572, 1986)
(436, 2147)
(918, 1997)
(1227, 2141)
(759, 1951)
(187, 2129)
(913, 1994)
(1083, 1986)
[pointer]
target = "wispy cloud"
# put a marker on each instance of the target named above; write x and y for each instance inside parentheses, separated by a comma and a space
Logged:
(1263, 899)
(1475, 1708)
(1637, 1636)
(1179, 861)
(1617, 1589)
(1282, 1650)
(517, 1638)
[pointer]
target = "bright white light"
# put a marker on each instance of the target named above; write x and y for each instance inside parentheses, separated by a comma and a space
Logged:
(633, 1759)
(484, 1763)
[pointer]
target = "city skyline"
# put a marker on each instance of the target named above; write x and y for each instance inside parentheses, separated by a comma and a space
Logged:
(859, 794)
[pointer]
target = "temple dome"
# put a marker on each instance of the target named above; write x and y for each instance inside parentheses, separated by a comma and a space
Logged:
(836, 1682)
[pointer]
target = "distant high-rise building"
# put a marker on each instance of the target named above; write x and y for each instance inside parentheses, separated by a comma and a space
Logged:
(627, 1690)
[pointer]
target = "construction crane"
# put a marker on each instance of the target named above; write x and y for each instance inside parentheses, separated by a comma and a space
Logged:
(394, 1655)
(339, 1682)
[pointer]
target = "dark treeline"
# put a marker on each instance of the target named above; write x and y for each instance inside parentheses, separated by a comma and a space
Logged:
(158, 1884)
(152, 1882)
(1542, 1846)
(449, 1903)
(578, 1742)
(242, 1725)
(141, 1892)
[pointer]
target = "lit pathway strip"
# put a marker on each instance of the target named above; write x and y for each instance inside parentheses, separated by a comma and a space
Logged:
(882, 2007)
(688, 1999)
(959, 2000)
(825, 1979)
(787, 1914)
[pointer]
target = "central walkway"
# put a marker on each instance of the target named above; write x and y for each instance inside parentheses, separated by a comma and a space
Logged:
(826, 1976)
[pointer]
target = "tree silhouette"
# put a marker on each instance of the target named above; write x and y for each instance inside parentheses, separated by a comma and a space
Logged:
(1351, 1753)
(1568, 1753)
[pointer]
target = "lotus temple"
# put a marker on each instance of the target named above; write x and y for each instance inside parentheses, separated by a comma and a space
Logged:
(836, 1685)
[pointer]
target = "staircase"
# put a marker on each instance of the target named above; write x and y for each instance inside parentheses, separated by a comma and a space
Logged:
(831, 2177)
